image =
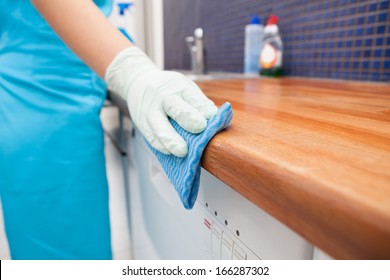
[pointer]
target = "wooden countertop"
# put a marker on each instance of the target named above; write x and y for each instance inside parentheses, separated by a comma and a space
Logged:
(314, 154)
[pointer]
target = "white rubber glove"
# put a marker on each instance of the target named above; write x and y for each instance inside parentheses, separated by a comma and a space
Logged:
(152, 95)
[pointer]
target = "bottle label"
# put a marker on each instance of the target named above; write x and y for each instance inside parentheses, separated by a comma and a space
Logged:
(270, 57)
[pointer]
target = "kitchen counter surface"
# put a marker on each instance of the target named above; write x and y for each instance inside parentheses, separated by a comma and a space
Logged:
(314, 154)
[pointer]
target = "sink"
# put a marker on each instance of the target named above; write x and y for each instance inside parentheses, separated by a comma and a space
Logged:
(216, 76)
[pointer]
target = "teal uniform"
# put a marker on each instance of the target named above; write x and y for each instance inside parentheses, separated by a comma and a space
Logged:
(53, 183)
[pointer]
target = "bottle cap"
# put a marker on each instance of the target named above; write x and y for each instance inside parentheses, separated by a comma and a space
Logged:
(123, 7)
(255, 20)
(273, 19)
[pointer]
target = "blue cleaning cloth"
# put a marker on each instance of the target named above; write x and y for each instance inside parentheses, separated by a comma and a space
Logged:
(184, 173)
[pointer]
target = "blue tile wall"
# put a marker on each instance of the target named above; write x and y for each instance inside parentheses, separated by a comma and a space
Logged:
(341, 39)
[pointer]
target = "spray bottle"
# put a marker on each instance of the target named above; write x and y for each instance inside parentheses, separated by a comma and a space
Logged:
(124, 8)
(272, 52)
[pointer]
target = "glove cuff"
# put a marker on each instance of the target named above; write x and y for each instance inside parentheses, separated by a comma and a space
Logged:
(124, 69)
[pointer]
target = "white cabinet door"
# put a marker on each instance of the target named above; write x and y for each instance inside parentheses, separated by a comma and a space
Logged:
(222, 224)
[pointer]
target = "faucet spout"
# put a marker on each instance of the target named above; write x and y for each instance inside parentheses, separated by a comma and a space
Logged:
(196, 47)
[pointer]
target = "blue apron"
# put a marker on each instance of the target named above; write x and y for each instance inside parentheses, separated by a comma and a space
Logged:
(53, 182)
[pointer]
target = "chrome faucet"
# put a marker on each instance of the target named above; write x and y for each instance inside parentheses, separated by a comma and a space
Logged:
(196, 47)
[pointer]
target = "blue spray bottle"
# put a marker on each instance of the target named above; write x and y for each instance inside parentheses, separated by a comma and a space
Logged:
(123, 8)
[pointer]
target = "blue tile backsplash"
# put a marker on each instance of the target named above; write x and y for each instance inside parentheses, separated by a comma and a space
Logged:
(341, 39)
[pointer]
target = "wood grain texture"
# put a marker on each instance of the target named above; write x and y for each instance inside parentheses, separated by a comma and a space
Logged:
(314, 154)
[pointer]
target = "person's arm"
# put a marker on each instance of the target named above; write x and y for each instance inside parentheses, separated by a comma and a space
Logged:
(86, 31)
(151, 94)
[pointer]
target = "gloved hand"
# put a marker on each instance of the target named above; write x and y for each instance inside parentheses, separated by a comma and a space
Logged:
(152, 95)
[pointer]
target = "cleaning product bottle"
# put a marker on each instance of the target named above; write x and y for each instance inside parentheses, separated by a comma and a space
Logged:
(121, 22)
(254, 33)
(272, 51)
